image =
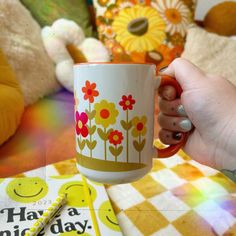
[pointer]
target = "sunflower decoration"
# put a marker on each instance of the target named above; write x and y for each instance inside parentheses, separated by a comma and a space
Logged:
(139, 28)
(161, 56)
(106, 114)
(139, 130)
(176, 51)
(176, 39)
(175, 13)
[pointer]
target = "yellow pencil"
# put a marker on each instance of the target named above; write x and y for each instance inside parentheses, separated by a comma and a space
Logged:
(47, 216)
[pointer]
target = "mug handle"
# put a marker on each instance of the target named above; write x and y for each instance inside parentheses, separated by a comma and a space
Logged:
(174, 148)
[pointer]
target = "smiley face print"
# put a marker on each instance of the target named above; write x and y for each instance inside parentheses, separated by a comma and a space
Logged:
(75, 193)
(107, 216)
(27, 190)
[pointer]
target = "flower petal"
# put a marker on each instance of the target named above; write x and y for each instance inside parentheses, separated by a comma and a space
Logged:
(77, 116)
(77, 129)
(84, 131)
(87, 84)
(83, 118)
(93, 86)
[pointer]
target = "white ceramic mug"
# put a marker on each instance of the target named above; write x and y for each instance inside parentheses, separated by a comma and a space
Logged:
(114, 112)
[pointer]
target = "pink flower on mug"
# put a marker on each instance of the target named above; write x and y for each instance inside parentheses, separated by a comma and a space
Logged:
(115, 137)
(81, 121)
(127, 102)
(89, 91)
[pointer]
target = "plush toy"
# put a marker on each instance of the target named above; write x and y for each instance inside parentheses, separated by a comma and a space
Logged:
(21, 43)
(66, 44)
(11, 100)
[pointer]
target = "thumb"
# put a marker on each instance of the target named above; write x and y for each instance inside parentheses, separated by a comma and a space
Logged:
(186, 73)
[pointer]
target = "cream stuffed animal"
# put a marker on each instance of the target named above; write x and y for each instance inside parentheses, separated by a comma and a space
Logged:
(64, 41)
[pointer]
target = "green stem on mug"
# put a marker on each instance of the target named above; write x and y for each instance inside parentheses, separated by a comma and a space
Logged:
(90, 135)
(80, 140)
(116, 153)
(139, 153)
(105, 146)
(127, 137)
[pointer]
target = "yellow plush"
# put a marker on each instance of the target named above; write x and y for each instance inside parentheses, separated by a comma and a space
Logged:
(221, 19)
(11, 100)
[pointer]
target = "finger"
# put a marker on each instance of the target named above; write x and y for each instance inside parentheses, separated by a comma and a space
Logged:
(172, 108)
(174, 123)
(184, 71)
(167, 92)
(170, 137)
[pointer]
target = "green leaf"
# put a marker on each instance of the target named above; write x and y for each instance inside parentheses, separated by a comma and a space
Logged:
(125, 125)
(107, 133)
(142, 144)
(81, 144)
(91, 114)
(129, 125)
(119, 150)
(91, 129)
(91, 145)
(139, 146)
(112, 150)
(101, 134)
(136, 145)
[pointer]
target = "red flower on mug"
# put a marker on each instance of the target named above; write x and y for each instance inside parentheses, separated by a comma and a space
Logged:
(127, 102)
(81, 121)
(89, 91)
(115, 137)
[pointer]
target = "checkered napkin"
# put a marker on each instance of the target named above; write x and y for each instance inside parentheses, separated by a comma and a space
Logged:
(178, 197)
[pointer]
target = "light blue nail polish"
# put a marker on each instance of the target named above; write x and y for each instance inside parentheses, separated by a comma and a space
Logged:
(186, 125)
(181, 110)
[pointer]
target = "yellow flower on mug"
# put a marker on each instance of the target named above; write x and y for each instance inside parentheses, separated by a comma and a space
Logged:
(106, 113)
(175, 13)
(139, 126)
(139, 28)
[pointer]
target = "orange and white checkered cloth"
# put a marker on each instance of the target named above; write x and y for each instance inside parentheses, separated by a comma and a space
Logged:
(178, 197)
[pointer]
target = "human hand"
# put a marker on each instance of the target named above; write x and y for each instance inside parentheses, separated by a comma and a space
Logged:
(209, 105)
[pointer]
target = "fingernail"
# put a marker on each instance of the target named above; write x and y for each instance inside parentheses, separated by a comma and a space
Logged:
(177, 135)
(186, 124)
(181, 111)
(163, 68)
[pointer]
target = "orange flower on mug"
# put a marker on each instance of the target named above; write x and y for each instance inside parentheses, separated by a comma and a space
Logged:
(115, 137)
(139, 126)
(89, 91)
(127, 102)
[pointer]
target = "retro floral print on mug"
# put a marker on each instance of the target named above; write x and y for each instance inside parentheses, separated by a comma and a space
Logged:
(114, 120)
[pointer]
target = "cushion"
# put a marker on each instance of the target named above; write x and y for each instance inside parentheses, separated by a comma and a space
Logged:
(47, 11)
(212, 53)
(217, 16)
(221, 19)
(144, 31)
(20, 40)
(11, 100)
